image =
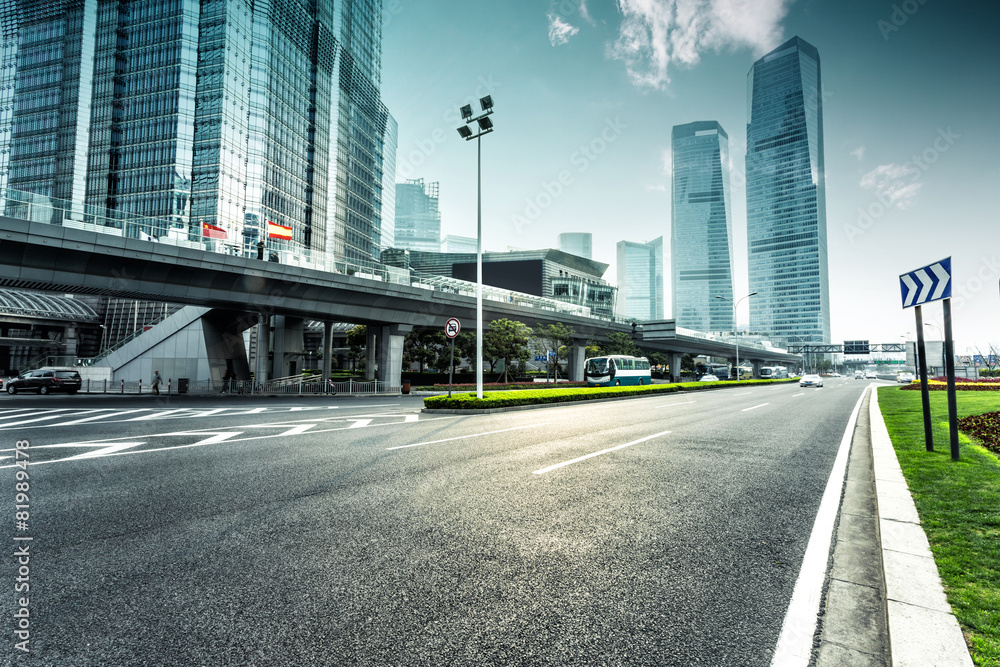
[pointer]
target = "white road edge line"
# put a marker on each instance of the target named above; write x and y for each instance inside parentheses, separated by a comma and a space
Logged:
(802, 394)
(461, 437)
(796, 639)
(754, 407)
(542, 471)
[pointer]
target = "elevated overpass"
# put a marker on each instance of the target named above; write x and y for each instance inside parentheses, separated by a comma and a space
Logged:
(65, 255)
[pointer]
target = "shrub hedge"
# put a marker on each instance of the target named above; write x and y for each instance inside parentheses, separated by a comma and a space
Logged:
(507, 399)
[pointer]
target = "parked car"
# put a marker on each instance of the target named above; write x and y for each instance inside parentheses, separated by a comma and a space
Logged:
(810, 381)
(904, 377)
(46, 380)
(708, 378)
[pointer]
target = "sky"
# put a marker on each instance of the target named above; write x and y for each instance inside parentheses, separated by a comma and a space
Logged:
(586, 92)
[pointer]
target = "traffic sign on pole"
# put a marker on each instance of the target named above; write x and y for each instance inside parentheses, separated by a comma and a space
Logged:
(452, 327)
(929, 283)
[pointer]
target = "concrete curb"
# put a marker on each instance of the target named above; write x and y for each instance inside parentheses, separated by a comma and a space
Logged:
(922, 629)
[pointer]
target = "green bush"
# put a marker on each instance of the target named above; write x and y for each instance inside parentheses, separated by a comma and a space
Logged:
(507, 399)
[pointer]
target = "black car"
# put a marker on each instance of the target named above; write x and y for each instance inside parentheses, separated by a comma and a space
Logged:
(46, 380)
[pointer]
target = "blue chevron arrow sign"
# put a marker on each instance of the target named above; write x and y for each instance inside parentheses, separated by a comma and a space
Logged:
(930, 283)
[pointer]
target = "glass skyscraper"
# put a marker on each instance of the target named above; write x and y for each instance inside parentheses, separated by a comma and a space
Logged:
(701, 228)
(786, 196)
(230, 114)
(640, 280)
(418, 218)
(577, 243)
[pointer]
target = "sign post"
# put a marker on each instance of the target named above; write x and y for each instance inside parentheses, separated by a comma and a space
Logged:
(451, 329)
(933, 283)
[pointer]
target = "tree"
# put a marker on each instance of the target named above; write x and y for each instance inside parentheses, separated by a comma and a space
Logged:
(465, 348)
(357, 340)
(418, 347)
(506, 340)
(621, 343)
(553, 337)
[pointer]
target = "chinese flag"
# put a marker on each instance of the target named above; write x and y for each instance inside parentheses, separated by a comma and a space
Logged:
(212, 231)
(276, 231)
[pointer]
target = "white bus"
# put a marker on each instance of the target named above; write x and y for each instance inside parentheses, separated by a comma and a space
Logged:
(617, 370)
(773, 372)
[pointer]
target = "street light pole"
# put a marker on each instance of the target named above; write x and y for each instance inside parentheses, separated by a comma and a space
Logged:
(485, 127)
(736, 328)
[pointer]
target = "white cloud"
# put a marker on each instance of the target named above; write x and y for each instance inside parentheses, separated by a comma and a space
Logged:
(859, 153)
(560, 31)
(887, 180)
(655, 34)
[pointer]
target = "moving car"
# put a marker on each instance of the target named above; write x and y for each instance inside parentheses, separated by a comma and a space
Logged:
(871, 375)
(46, 380)
(708, 378)
(904, 377)
(859, 375)
(810, 381)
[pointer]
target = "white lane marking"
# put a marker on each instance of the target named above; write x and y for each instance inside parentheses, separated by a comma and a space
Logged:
(358, 423)
(670, 405)
(51, 415)
(215, 437)
(95, 417)
(754, 407)
(462, 437)
(743, 393)
(542, 471)
(796, 639)
(801, 394)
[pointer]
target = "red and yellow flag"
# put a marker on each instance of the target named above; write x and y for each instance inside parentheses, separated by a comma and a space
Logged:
(276, 231)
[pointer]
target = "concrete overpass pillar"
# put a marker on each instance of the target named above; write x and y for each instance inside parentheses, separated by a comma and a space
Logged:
(757, 365)
(263, 346)
(278, 358)
(327, 349)
(371, 353)
(675, 365)
(577, 359)
(390, 353)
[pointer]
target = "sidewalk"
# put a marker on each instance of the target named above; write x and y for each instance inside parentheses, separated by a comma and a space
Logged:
(884, 603)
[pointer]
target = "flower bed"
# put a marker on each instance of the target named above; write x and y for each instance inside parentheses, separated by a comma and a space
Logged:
(985, 427)
(961, 384)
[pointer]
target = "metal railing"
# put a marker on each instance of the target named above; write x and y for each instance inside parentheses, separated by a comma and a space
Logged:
(50, 210)
(302, 387)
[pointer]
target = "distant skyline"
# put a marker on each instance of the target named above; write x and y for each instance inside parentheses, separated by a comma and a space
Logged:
(585, 95)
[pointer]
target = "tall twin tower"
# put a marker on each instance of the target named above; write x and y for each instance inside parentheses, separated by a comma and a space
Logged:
(786, 208)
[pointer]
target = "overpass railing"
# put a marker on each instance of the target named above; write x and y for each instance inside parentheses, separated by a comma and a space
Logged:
(174, 387)
(175, 231)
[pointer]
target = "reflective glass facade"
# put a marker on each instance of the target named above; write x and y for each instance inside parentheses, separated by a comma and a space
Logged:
(640, 280)
(229, 113)
(577, 243)
(418, 218)
(786, 196)
(701, 228)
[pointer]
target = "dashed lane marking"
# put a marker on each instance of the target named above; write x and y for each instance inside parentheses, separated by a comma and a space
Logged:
(463, 437)
(754, 407)
(542, 471)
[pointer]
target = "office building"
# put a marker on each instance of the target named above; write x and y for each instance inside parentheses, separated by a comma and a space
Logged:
(640, 280)
(452, 243)
(577, 243)
(547, 273)
(418, 219)
(701, 228)
(786, 196)
(221, 122)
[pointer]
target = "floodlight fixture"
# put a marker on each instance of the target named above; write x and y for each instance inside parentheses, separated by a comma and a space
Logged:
(485, 124)
(465, 132)
(486, 103)
(466, 112)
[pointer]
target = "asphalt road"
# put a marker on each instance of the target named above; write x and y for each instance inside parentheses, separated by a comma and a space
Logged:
(360, 531)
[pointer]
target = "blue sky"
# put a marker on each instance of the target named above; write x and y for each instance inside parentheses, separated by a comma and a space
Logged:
(586, 94)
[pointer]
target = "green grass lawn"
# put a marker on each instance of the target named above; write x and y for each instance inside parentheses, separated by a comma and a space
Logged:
(959, 506)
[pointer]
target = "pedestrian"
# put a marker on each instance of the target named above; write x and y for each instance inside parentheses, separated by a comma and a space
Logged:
(260, 249)
(227, 381)
(156, 382)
